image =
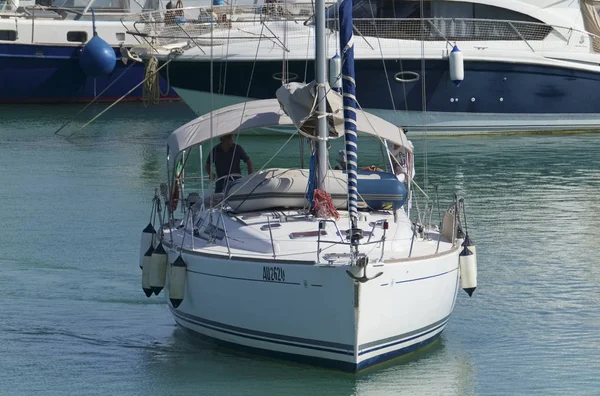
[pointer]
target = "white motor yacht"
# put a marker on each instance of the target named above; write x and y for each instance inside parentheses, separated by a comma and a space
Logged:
(522, 66)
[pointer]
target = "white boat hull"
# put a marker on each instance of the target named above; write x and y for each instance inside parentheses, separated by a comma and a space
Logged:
(440, 123)
(321, 315)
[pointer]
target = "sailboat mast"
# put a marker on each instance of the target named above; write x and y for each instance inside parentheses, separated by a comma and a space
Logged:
(349, 92)
(321, 75)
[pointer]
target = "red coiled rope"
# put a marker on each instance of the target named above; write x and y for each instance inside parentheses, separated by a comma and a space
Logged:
(323, 205)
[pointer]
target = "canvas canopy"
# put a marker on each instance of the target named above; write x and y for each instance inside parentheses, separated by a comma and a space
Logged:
(268, 113)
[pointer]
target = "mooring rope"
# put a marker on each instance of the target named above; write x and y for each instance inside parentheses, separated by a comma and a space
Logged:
(151, 89)
(121, 98)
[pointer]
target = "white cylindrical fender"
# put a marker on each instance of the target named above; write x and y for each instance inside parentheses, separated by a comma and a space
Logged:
(473, 250)
(158, 269)
(177, 281)
(457, 67)
(468, 270)
(147, 241)
(146, 265)
(335, 72)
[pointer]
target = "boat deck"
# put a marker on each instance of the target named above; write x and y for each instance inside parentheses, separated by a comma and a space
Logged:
(292, 236)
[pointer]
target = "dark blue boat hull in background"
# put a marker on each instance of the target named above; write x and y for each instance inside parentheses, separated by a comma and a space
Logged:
(488, 87)
(49, 73)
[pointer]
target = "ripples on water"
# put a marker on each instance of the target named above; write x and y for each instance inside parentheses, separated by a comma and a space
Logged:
(73, 319)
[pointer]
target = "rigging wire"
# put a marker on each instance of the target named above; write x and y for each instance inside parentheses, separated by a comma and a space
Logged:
(312, 3)
(382, 141)
(224, 69)
(121, 98)
(212, 103)
(95, 99)
(423, 93)
(387, 79)
(248, 90)
(245, 102)
(284, 58)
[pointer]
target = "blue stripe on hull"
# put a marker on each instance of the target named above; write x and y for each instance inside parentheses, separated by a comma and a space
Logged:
(317, 361)
(40, 73)
(268, 337)
(397, 353)
(488, 87)
(314, 361)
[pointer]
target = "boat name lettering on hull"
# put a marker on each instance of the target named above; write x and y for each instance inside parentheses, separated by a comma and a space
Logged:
(273, 274)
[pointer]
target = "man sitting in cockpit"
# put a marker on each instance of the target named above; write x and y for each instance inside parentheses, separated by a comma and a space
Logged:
(341, 160)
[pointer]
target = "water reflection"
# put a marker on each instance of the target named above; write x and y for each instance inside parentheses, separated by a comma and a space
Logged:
(188, 363)
(74, 316)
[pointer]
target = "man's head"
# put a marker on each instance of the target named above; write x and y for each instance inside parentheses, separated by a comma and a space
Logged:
(227, 141)
(341, 159)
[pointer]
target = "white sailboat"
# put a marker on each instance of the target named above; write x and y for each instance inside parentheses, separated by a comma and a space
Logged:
(317, 265)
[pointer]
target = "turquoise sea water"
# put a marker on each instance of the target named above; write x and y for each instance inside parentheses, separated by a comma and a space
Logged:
(74, 320)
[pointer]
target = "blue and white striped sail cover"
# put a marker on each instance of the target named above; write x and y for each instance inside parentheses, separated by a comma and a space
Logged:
(349, 92)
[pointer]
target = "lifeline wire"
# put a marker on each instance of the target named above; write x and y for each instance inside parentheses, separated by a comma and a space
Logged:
(96, 98)
(423, 92)
(118, 100)
(383, 60)
(247, 95)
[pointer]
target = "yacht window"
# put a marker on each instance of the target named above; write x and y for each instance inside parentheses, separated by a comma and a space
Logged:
(360, 9)
(445, 20)
(8, 35)
(98, 5)
(80, 37)
(433, 9)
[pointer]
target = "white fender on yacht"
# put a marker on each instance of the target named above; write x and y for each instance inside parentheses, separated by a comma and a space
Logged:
(146, 265)
(335, 72)
(147, 241)
(457, 68)
(158, 269)
(177, 281)
(467, 261)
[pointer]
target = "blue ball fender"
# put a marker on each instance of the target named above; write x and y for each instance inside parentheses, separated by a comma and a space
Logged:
(97, 58)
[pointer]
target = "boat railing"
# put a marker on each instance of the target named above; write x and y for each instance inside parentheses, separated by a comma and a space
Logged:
(345, 238)
(376, 246)
(219, 25)
(75, 11)
(165, 27)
